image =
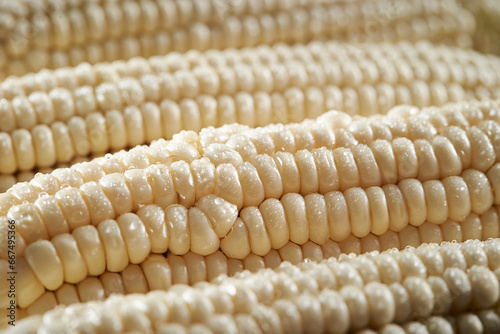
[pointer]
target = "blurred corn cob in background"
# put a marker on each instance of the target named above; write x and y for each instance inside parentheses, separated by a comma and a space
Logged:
(53, 34)
(487, 14)
(204, 197)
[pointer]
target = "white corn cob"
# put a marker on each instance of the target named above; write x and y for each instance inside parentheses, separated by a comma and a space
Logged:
(241, 141)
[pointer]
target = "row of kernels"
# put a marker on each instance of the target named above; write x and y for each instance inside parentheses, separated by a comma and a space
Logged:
(474, 227)
(336, 216)
(113, 244)
(92, 202)
(43, 146)
(97, 133)
(159, 272)
(302, 171)
(139, 157)
(252, 109)
(380, 162)
(129, 47)
(156, 272)
(38, 108)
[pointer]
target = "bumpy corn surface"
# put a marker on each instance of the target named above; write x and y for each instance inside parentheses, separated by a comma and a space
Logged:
(291, 166)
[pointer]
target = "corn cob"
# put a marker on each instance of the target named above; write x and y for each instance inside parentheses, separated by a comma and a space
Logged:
(97, 133)
(32, 218)
(94, 32)
(70, 258)
(349, 297)
(279, 139)
(354, 96)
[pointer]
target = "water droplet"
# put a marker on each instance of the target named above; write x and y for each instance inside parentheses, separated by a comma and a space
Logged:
(43, 194)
